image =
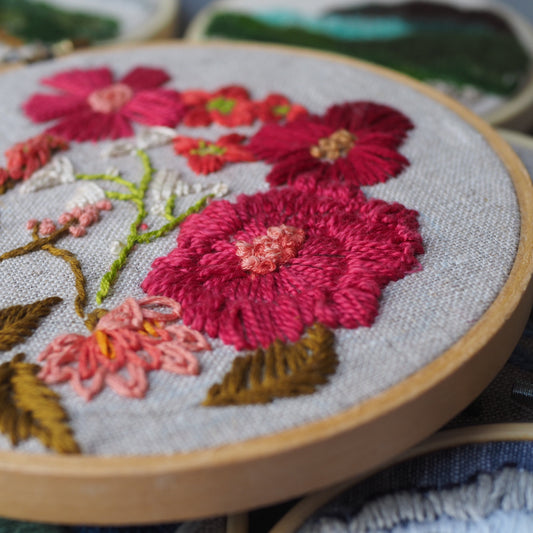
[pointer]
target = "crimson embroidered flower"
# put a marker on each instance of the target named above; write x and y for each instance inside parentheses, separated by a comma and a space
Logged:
(205, 156)
(91, 106)
(271, 264)
(353, 143)
(24, 158)
(126, 344)
(230, 106)
(276, 107)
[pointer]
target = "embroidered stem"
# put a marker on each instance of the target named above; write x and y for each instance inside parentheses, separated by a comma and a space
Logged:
(137, 195)
(75, 266)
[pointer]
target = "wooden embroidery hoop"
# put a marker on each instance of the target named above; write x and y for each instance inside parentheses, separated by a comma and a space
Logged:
(516, 113)
(236, 477)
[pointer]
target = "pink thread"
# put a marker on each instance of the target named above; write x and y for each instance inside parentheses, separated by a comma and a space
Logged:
(127, 343)
(348, 250)
(31, 223)
(369, 158)
(90, 106)
(47, 227)
(267, 252)
(110, 98)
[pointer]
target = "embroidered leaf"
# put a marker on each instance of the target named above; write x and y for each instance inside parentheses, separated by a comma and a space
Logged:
(283, 370)
(28, 408)
(20, 321)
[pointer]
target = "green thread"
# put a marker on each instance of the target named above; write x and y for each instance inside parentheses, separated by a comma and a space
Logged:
(221, 104)
(281, 110)
(208, 149)
(137, 196)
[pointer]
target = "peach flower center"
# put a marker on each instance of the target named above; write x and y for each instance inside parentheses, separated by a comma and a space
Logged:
(338, 144)
(268, 252)
(110, 98)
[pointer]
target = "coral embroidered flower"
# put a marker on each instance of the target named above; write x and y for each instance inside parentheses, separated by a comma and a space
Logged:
(125, 345)
(91, 106)
(276, 107)
(274, 263)
(354, 143)
(230, 106)
(24, 158)
(205, 157)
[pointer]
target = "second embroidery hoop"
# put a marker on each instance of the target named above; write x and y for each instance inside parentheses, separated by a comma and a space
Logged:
(264, 469)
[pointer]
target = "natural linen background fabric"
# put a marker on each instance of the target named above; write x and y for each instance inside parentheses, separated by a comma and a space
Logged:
(469, 222)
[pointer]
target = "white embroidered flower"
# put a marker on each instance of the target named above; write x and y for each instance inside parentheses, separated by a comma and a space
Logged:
(220, 189)
(56, 172)
(147, 138)
(164, 184)
(85, 194)
(116, 247)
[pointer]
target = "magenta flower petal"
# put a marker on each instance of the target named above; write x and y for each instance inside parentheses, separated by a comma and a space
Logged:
(80, 83)
(142, 78)
(351, 249)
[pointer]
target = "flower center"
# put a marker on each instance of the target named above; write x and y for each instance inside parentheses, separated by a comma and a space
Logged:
(221, 104)
(268, 252)
(208, 149)
(338, 144)
(281, 110)
(110, 98)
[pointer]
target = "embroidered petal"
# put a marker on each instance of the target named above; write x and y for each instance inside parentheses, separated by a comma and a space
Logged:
(142, 78)
(80, 82)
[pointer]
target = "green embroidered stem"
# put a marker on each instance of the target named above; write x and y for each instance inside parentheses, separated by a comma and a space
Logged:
(137, 195)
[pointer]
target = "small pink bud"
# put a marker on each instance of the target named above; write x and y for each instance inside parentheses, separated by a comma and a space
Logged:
(77, 231)
(47, 227)
(104, 205)
(31, 223)
(65, 218)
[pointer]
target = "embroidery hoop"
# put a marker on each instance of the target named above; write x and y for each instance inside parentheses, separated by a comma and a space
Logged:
(165, 488)
(516, 112)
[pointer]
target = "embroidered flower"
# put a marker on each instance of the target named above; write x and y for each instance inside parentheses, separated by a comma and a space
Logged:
(26, 157)
(274, 263)
(276, 107)
(230, 106)
(353, 142)
(205, 156)
(91, 106)
(125, 345)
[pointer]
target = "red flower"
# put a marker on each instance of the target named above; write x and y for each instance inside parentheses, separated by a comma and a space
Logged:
(24, 158)
(276, 107)
(230, 106)
(205, 157)
(354, 143)
(127, 343)
(92, 107)
(274, 263)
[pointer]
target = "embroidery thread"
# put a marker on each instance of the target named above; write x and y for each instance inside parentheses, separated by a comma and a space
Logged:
(18, 322)
(28, 408)
(354, 143)
(91, 107)
(281, 371)
(351, 249)
(126, 344)
(205, 157)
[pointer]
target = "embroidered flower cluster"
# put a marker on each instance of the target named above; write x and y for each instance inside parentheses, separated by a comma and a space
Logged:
(311, 253)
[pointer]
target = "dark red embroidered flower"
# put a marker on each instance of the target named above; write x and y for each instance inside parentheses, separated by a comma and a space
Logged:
(205, 156)
(24, 158)
(276, 107)
(353, 142)
(274, 263)
(92, 106)
(230, 106)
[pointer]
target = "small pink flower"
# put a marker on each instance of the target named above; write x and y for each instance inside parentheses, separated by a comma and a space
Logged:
(47, 227)
(127, 343)
(91, 106)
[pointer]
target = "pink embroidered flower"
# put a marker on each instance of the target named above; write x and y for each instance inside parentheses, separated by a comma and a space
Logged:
(274, 263)
(126, 344)
(91, 106)
(353, 143)
(24, 158)
(205, 156)
(230, 106)
(276, 107)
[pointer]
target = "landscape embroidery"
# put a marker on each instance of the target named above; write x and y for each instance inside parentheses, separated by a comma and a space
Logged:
(276, 272)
